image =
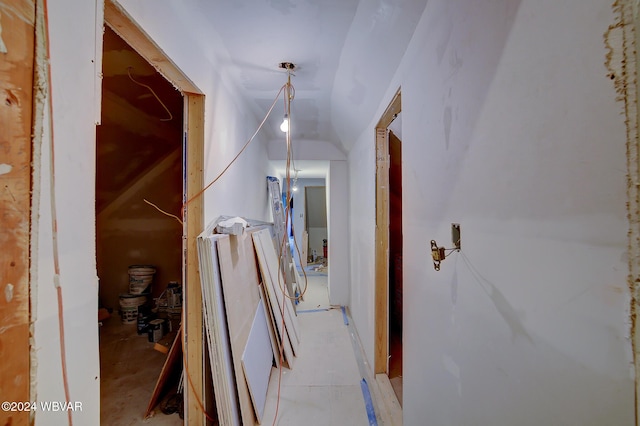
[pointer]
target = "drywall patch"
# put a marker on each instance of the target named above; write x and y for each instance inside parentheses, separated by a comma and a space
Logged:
(5, 168)
(454, 369)
(8, 292)
(3, 47)
(620, 42)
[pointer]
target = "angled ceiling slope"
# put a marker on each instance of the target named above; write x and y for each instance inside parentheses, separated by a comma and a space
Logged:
(346, 52)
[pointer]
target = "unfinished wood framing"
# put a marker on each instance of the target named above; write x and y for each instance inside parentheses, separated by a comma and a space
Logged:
(16, 86)
(193, 336)
(381, 302)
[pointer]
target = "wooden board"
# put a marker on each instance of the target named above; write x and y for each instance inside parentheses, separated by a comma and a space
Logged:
(382, 252)
(170, 365)
(16, 85)
(283, 306)
(241, 296)
(381, 303)
(257, 360)
(220, 358)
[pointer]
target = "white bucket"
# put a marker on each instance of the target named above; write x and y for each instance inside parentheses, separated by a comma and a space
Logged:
(141, 278)
(129, 304)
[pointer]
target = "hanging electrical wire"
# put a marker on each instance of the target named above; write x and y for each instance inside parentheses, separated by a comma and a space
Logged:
(153, 93)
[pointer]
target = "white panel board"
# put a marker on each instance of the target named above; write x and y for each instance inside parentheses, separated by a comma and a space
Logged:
(257, 360)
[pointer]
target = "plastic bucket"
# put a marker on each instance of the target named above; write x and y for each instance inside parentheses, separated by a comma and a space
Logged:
(141, 278)
(129, 304)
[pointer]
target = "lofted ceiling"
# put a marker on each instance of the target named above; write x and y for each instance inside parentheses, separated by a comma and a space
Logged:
(346, 53)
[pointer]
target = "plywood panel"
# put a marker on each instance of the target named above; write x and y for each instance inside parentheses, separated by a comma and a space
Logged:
(16, 82)
(241, 296)
(171, 363)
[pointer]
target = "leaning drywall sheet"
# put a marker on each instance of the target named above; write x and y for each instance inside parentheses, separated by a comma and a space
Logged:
(271, 326)
(237, 259)
(272, 276)
(257, 360)
(216, 330)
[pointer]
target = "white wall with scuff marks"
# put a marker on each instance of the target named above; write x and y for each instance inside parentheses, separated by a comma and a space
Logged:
(73, 52)
(510, 128)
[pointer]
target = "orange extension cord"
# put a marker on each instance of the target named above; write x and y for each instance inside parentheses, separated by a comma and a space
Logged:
(54, 220)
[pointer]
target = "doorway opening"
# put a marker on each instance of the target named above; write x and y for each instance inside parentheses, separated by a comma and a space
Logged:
(395, 257)
(153, 108)
(316, 227)
(388, 250)
(139, 157)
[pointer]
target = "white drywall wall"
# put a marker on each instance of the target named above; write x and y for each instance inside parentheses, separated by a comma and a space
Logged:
(73, 53)
(306, 149)
(510, 127)
(228, 121)
(241, 191)
(338, 231)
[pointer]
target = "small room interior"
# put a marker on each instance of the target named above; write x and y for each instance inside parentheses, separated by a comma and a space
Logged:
(139, 185)
(524, 137)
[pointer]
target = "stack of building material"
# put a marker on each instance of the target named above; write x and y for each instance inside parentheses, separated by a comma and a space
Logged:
(246, 324)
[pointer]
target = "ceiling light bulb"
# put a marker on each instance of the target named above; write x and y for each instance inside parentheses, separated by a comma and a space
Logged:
(285, 124)
(295, 188)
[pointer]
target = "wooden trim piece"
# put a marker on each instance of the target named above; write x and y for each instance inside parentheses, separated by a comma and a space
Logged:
(392, 411)
(120, 22)
(381, 298)
(194, 223)
(381, 333)
(391, 112)
(171, 364)
(16, 86)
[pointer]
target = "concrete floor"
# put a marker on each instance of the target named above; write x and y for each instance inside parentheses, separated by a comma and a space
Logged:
(323, 388)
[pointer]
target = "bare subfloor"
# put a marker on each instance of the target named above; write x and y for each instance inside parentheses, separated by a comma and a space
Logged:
(129, 368)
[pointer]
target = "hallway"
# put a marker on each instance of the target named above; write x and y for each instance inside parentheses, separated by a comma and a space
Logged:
(518, 122)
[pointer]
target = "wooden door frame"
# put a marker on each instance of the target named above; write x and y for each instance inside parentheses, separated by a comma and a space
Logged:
(381, 299)
(16, 120)
(120, 21)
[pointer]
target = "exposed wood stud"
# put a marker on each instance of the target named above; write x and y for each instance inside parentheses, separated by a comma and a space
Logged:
(16, 89)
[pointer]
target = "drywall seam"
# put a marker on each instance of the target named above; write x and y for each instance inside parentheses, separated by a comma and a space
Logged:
(621, 62)
(39, 101)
